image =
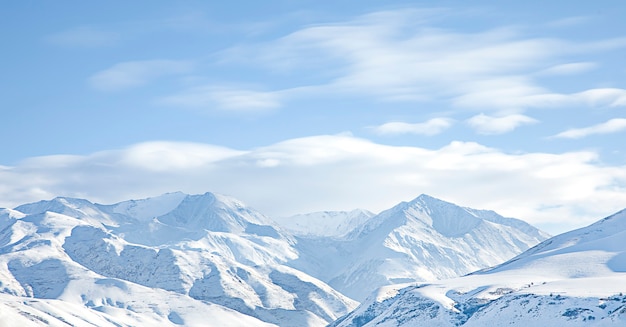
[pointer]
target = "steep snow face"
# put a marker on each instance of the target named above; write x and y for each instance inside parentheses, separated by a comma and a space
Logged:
(423, 240)
(178, 251)
(574, 279)
(216, 213)
(324, 223)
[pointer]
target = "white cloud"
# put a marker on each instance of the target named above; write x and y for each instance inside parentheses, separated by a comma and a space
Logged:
(556, 191)
(169, 156)
(612, 126)
(609, 97)
(229, 99)
(383, 60)
(131, 74)
(431, 127)
(484, 124)
(402, 56)
(512, 94)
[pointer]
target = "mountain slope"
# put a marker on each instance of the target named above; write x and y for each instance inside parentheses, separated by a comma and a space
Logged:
(422, 240)
(574, 279)
(325, 223)
(202, 248)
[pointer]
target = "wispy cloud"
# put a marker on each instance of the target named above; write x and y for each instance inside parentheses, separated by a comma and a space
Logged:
(222, 98)
(605, 97)
(612, 126)
(401, 55)
(431, 127)
(567, 189)
(161, 156)
(404, 56)
(132, 74)
(568, 69)
(516, 95)
(484, 124)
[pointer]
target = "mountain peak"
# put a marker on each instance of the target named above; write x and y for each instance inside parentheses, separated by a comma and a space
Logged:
(425, 197)
(431, 202)
(446, 218)
(427, 239)
(214, 212)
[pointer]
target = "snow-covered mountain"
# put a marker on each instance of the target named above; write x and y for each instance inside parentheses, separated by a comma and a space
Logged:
(168, 260)
(174, 259)
(324, 223)
(573, 279)
(422, 240)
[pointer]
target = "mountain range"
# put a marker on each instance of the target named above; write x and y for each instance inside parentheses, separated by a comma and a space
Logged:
(210, 260)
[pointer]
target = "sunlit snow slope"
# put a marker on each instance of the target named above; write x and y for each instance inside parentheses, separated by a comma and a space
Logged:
(573, 279)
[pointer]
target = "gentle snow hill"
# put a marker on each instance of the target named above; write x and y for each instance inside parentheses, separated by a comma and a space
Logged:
(150, 259)
(573, 279)
(425, 239)
(324, 223)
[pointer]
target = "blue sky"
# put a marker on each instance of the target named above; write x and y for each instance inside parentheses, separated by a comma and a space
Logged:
(296, 106)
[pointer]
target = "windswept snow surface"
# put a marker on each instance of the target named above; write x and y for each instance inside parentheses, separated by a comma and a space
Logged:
(573, 279)
(205, 260)
(426, 239)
